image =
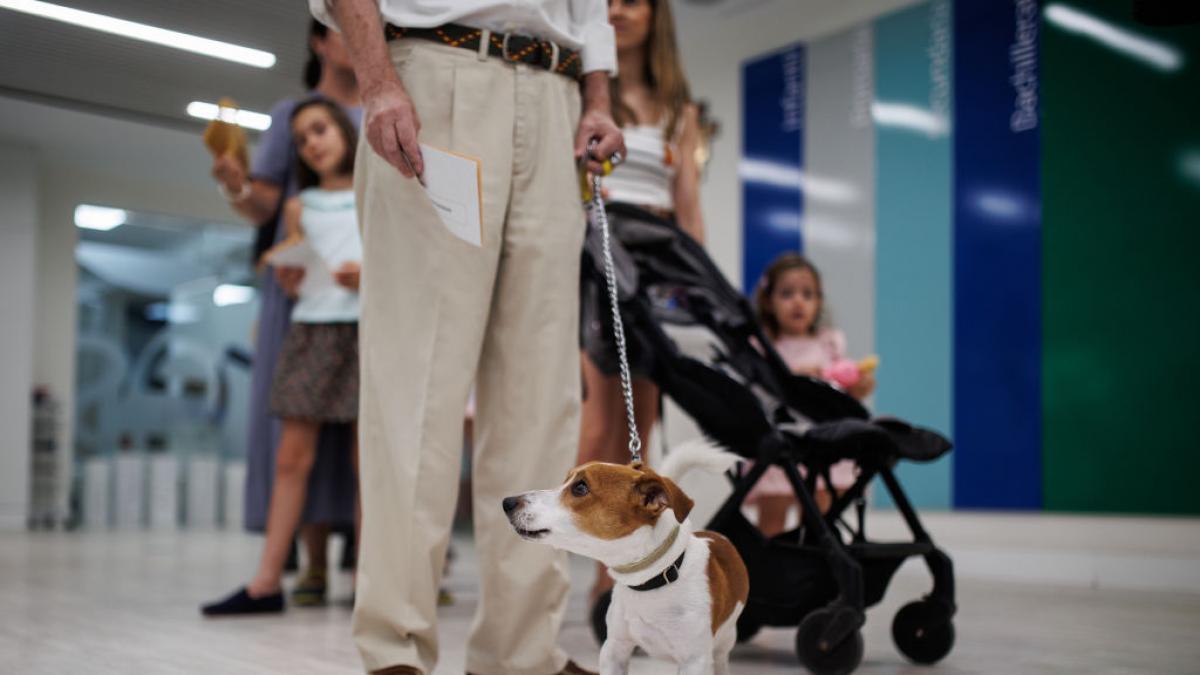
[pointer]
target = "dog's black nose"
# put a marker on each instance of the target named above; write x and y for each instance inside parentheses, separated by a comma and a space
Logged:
(511, 503)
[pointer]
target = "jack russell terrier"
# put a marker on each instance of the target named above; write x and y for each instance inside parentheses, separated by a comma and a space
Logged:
(678, 591)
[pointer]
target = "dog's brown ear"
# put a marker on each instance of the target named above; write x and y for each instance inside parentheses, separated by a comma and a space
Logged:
(658, 493)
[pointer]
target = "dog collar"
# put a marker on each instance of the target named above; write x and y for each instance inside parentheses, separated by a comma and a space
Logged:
(639, 565)
(659, 580)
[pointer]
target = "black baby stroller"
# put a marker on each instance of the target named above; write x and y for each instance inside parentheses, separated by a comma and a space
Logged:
(822, 575)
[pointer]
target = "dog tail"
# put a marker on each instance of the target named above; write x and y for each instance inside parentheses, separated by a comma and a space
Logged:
(696, 454)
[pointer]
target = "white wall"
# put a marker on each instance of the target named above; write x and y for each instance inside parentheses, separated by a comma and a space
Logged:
(63, 187)
(18, 258)
(715, 41)
(71, 158)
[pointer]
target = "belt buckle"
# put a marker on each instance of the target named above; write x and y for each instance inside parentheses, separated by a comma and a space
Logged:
(506, 55)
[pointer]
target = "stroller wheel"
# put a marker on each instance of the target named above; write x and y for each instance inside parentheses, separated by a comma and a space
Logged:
(747, 628)
(824, 659)
(923, 631)
(600, 616)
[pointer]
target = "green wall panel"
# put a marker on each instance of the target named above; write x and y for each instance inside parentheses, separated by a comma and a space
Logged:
(1121, 262)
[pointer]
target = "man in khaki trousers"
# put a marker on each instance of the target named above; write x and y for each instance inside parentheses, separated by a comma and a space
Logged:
(523, 87)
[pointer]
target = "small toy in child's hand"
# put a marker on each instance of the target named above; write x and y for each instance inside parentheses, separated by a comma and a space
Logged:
(846, 373)
(226, 138)
(842, 372)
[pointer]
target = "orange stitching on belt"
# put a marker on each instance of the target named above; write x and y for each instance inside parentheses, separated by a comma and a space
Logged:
(570, 57)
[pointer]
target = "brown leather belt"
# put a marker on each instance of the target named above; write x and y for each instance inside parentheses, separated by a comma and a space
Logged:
(507, 46)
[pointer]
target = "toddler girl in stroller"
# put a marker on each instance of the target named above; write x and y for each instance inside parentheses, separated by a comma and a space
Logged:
(790, 302)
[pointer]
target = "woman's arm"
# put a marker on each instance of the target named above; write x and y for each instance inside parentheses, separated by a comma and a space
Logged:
(254, 191)
(254, 200)
(687, 179)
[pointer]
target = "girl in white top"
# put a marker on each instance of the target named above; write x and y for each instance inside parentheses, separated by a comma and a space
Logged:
(316, 377)
(659, 175)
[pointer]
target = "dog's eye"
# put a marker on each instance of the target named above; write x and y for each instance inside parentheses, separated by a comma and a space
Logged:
(579, 489)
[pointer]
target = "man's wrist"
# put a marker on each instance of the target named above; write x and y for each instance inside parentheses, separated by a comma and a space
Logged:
(595, 92)
(384, 82)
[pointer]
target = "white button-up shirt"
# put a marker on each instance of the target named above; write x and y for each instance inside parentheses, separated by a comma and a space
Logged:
(576, 24)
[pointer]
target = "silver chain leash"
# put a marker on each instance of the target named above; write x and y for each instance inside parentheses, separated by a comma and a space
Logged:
(597, 208)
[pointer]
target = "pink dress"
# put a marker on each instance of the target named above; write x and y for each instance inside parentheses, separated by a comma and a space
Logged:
(806, 354)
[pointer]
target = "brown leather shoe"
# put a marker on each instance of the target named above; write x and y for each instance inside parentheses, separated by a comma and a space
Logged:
(571, 668)
(397, 670)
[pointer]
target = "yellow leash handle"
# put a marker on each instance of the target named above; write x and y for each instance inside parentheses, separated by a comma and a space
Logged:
(585, 185)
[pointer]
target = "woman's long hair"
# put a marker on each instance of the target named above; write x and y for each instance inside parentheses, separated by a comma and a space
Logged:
(312, 67)
(664, 72)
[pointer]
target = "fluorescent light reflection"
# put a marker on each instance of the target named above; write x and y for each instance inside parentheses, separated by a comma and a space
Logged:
(172, 312)
(814, 231)
(833, 234)
(1002, 205)
(1152, 52)
(785, 222)
(777, 174)
(243, 118)
(232, 294)
(911, 117)
(140, 31)
(100, 218)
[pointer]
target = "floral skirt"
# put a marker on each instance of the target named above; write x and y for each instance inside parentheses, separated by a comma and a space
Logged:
(316, 377)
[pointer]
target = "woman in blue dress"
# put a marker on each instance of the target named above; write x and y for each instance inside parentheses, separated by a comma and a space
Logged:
(257, 197)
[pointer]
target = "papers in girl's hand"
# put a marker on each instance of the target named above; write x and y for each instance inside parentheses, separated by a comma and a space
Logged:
(331, 251)
(452, 182)
(299, 254)
(318, 275)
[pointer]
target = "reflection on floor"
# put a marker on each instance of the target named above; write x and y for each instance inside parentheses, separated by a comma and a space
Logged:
(126, 602)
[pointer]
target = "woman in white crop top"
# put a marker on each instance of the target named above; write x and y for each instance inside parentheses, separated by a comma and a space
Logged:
(659, 179)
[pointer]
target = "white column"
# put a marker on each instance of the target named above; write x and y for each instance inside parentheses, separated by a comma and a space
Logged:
(18, 272)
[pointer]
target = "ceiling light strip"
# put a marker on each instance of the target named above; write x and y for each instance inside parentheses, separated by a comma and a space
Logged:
(140, 31)
(243, 118)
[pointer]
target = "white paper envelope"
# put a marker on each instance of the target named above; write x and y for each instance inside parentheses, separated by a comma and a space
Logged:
(452, 182)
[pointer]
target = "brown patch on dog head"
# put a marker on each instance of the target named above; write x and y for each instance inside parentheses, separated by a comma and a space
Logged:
(610, 501)
(659, 493)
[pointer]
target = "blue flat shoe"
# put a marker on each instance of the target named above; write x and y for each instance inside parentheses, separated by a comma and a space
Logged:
(240, 603)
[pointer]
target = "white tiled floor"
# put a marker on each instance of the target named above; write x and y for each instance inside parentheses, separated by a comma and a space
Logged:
(126, 602)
